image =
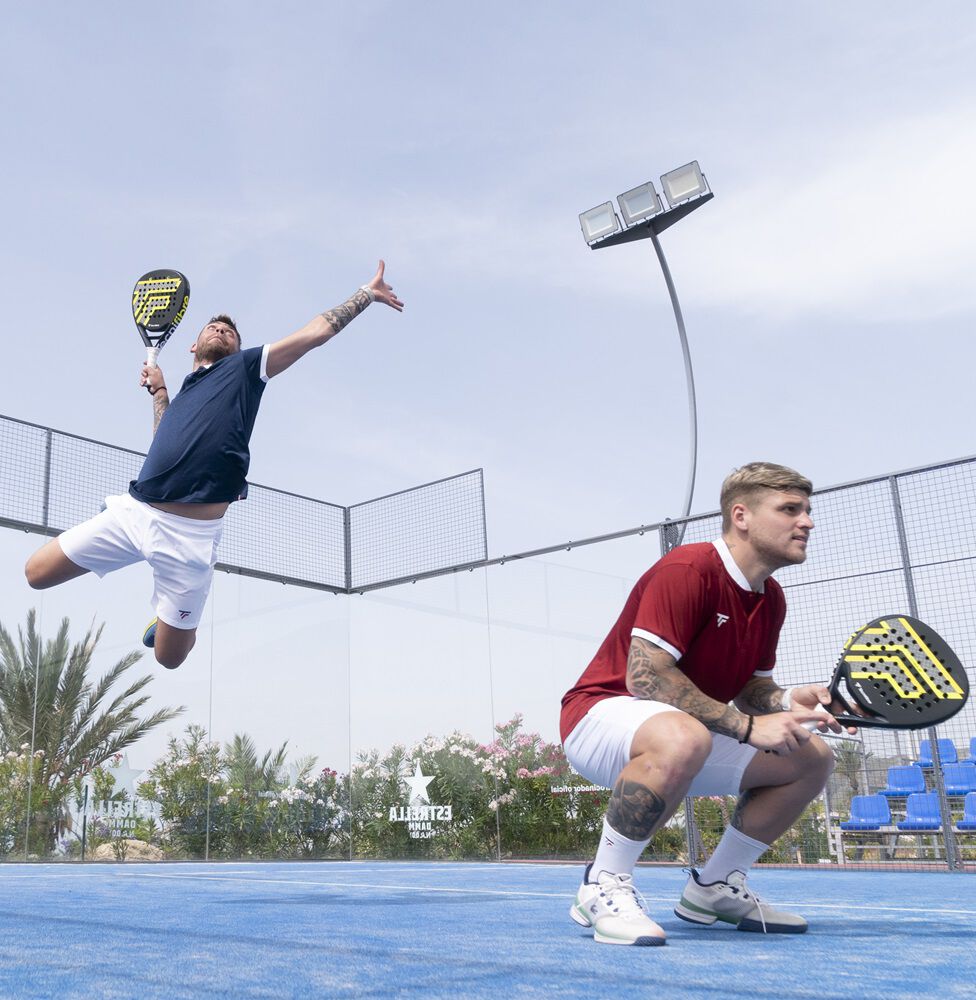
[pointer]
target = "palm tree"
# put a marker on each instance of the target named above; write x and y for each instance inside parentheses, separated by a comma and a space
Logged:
(76, 723)
(851, 758)
(245, 772)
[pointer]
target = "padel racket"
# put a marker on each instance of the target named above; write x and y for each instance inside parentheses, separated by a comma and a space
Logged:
(159, 302)
(901, 673)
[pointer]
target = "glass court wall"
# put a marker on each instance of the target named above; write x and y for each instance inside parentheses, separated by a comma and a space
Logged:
(368, 684)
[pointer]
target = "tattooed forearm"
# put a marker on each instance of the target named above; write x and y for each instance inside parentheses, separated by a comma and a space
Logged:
(760, 697)
(340, 316)
(634, 809)
(652, 674)
(160, 401)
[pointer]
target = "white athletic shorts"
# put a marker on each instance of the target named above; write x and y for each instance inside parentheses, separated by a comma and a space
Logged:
(181, 551)
(599, 746)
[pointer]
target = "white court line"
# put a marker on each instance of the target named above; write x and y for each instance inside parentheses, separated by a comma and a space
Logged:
(521, 892)
(130, 873)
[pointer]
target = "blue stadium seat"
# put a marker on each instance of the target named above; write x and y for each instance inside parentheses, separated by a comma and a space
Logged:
(868, 812)
(972, 748)
(960, 779)
(968, 821)
(922, 812)
(947, 752)
(902, 781)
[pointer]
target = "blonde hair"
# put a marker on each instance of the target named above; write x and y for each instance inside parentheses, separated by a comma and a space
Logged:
(749, 482)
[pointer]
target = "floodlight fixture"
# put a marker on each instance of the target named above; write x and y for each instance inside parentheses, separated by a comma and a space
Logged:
(599, 222)
(639, 203)
(683, 183)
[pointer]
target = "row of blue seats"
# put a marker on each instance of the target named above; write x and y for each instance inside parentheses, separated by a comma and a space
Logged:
(960, 779)
(947, 752)
(871, 812)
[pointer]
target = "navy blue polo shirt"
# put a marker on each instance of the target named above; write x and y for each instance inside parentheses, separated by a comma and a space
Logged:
(200, 451)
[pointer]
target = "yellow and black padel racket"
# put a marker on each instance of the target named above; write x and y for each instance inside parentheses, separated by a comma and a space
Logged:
(901, 673)
(159, 302)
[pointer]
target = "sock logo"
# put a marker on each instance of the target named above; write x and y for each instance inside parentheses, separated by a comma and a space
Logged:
(608, 842)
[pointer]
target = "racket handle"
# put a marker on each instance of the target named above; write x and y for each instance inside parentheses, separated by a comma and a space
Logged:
(814, 727)
(152, 353)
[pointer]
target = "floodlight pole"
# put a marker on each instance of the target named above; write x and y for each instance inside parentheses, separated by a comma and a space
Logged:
(689, 380)
(649, 229)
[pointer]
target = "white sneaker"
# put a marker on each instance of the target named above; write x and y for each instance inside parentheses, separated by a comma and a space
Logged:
(612, 907)
(733, 902)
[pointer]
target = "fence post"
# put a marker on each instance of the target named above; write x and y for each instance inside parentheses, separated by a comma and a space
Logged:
(46, 499)
(945, 812)
(347, 546)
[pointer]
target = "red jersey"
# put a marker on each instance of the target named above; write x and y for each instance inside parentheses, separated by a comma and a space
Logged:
(696, 604)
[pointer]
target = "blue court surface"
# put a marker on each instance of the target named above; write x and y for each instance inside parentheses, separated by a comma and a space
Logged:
(374, 929)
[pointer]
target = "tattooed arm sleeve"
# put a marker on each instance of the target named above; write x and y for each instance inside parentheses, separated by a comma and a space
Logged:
(319, 331)
(160, 401)
(653, 674)
(761, 696)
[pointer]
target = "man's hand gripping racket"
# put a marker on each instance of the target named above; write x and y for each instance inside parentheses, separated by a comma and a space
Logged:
(159, 302)
(899, 673)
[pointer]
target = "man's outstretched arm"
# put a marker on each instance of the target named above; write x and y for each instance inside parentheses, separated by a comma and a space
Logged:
(286, 352)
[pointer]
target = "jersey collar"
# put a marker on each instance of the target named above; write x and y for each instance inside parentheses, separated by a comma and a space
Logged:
(732, 567)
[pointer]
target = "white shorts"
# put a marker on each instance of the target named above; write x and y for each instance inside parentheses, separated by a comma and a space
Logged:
(599, 746)
(181, 551)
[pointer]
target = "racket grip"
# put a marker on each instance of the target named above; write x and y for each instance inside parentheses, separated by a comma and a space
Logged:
(814, 727)
(152, 353)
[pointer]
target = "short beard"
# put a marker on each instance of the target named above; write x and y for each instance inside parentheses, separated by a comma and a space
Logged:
(214, 352)
(778, 558)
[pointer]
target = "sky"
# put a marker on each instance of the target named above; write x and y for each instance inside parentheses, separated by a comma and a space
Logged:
(275, 154)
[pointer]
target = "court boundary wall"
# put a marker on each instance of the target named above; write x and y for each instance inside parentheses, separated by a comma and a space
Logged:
(896, 542)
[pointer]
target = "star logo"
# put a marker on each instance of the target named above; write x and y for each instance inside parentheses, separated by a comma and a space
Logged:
(418, 783)
(125, 776)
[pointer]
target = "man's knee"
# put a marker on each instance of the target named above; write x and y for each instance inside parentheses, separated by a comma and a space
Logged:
(34, 574)
(172, 645)
(171, 659)
(49, 566)
(674, 750)
(822, 757)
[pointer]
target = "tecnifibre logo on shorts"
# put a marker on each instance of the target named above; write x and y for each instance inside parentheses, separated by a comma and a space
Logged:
(185, 614)
(420, 819)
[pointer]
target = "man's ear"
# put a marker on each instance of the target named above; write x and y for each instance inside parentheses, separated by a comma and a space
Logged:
(739, 515)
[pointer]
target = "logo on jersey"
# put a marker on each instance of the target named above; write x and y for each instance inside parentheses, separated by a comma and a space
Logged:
(721, 619)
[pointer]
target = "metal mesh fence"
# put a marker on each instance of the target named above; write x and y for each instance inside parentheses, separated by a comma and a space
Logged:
(50, 480)
(283, 536)
(23, 473)
(405, 535)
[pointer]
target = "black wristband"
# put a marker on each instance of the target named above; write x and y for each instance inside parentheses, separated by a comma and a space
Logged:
(745, 739)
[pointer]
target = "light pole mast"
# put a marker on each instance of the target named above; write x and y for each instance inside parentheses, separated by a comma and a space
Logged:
(645, 218)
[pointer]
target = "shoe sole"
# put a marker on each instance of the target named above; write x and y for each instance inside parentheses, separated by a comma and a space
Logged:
(646, 941)
(696, 916)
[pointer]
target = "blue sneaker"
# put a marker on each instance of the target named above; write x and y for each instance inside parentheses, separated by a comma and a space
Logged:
(149, 636)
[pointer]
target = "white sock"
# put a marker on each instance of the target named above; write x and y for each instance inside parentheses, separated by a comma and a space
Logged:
(735, 852)
(616, 854)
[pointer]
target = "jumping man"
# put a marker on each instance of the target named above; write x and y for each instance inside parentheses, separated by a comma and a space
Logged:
(172, 515)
